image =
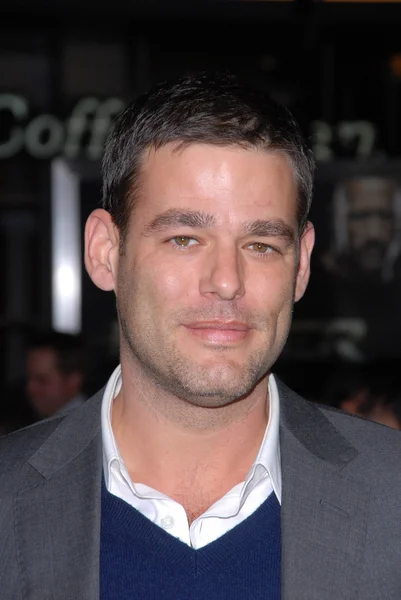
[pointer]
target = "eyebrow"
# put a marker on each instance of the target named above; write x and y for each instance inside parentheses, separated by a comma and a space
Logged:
(175, 217)
(270, 228)
(199, 219)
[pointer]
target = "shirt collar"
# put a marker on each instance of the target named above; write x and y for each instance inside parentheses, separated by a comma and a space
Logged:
(110, 449)
(267, 460)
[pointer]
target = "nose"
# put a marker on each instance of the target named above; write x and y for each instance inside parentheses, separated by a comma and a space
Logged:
(223, 274)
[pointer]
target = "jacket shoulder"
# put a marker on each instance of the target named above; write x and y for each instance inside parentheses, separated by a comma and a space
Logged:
(328, 433)
(17, 447)
(45, 447)
(363, 433)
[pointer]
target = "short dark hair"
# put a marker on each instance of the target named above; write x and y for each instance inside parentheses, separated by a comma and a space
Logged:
(199, 108)
(70, 350)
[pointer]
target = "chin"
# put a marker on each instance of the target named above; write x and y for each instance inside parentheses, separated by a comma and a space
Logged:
(222, 387)
(214, 398)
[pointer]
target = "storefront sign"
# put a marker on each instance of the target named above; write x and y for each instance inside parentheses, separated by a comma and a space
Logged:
(45, 136)
(356, 139)
(84, 131)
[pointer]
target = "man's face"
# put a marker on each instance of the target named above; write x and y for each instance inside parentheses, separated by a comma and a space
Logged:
(207, 280)
(48, 389)
(370, 221)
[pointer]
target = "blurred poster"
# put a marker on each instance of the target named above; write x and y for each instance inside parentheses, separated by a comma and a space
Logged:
(352, 308)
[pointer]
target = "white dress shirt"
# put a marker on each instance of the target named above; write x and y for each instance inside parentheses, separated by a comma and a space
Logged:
(241, 501)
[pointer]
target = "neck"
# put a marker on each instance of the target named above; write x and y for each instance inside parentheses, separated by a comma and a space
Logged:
(166, 442)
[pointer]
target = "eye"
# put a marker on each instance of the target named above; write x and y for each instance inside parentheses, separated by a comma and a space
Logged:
(183, 241)
(261, 248)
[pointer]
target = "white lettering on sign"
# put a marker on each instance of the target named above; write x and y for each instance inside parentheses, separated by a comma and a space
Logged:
(46, 136)
(356, 138)
(84, 132)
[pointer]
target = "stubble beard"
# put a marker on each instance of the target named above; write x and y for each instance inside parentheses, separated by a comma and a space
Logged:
(218, 382)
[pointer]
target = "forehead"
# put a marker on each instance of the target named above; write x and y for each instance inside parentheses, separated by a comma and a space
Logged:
(43, 359)
(217, 178)
(370, 195)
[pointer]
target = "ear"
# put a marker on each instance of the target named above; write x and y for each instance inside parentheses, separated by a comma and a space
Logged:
(101, 249)
(305, 250)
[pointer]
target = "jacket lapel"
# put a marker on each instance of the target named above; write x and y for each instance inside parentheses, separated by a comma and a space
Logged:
(57, 520)
(324, 511)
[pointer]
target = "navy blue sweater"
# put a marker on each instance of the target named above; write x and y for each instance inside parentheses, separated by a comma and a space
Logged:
(141, 561)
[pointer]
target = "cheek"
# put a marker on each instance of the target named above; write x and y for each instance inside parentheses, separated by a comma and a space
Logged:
(175, 284)
(164, 285)
(58, 384)
(272, 292)
(387, 230)
(357, 235)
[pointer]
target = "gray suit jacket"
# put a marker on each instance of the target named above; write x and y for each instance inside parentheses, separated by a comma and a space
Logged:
(341, 506)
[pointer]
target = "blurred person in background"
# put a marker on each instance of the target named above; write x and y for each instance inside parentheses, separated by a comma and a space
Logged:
(372, 391)
(55, 373)
(367, 227)
(358, 288)
(346, 386)
(195, 473)
(384, 408)
(15, 409)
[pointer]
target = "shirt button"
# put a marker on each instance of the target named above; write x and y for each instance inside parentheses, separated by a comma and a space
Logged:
(167, 522)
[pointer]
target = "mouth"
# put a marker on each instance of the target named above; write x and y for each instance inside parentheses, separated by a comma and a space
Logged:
(219, 332)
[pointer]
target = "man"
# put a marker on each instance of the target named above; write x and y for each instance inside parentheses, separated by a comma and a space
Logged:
(174, 481)
(366, 245)
(55, 369)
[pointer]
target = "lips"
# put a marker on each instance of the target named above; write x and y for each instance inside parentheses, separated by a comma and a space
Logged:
(219, 332)
(223, 325)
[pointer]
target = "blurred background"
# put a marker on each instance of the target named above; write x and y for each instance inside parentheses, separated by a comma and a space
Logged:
(67, 68)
